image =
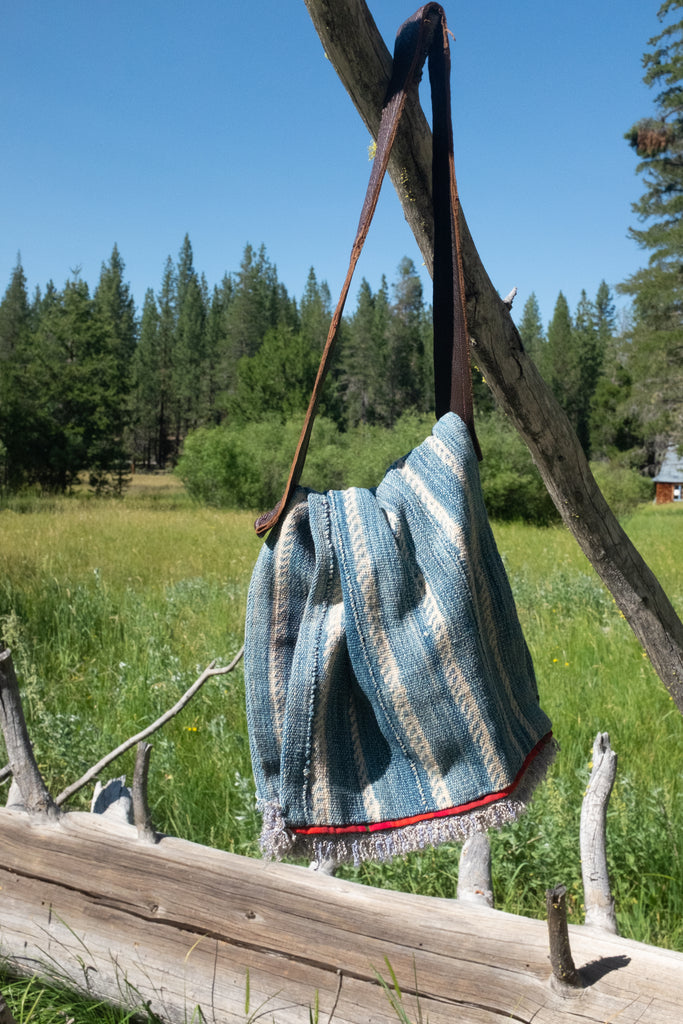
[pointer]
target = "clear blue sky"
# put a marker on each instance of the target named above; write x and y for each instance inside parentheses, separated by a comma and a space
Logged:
(136, 122)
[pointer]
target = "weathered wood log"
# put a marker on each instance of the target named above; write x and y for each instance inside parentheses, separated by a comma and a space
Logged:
(360, 57)
(598, 899)
(22, 762)
(178, 926)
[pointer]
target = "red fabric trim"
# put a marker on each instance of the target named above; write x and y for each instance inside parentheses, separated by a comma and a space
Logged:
(428, 815)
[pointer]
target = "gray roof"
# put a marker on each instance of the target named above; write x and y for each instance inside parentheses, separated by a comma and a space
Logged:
(671, 470)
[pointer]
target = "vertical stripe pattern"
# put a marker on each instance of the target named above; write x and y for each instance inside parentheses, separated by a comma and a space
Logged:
(387, 678)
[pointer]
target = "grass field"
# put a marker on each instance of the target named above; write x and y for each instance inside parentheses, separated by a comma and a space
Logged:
(112, 607)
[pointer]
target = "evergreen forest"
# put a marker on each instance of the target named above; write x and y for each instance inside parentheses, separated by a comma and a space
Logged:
(215, 380)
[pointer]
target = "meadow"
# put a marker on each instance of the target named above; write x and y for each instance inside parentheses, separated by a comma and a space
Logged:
(113, 607)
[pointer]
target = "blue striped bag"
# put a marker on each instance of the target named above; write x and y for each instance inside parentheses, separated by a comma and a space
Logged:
(391, 698)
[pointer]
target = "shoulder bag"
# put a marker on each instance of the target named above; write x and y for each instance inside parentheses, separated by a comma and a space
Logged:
(391, 698)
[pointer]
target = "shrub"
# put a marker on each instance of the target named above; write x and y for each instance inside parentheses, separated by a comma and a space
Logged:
(623, 487)
(512, 485)
(246, 466)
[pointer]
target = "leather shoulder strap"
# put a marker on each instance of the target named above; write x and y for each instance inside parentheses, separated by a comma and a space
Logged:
(424, 34)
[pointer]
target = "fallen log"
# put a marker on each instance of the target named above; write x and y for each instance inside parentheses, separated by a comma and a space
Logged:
(176, 926)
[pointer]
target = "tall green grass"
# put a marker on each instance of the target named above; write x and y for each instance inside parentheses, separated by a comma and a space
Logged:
(113, 607)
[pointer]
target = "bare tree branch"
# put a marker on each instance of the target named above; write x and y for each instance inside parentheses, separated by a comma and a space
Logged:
(166, 717)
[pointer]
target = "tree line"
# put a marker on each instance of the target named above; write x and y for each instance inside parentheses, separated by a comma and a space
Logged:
(88, 386)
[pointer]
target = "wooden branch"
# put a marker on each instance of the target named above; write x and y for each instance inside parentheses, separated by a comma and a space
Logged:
(34, 793)
(179, 926)
(5, 773)
(510, 298)
(134, 740)
(598, 898)
(357, 51)
(474, 873)
(565, 973)
(141, 812)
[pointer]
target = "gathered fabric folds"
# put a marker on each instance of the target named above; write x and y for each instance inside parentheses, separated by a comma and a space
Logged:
(391, 698)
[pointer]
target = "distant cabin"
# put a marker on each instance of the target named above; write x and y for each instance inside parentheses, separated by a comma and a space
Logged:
(669, 480)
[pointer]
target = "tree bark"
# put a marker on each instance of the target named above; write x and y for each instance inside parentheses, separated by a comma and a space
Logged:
(354, 46)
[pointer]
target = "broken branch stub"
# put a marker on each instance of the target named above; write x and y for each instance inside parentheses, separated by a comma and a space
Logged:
(565, 977)
(141, 813)
(598, 898)
(474, 872)
(34, 793)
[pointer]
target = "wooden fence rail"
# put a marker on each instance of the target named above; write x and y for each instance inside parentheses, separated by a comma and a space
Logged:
(189, 930)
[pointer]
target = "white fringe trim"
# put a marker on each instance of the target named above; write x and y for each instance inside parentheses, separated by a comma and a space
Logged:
(278, 841)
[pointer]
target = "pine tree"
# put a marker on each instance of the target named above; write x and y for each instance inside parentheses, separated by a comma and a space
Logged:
(531, 330)
(188, 349)
(213, 378)
(144, 427)
(560, 369)
(589, 355)
(90, 410)
(114, 306)
(165, 344)
(657, 290)
(15, 314)
(256, 303)
(115, 321)
(15, 320)
(315, 312)
(363, 359)
(408, 333)
(605, 316)
(276, 382)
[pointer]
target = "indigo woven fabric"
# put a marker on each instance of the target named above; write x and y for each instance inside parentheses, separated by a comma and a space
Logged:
(391, 699)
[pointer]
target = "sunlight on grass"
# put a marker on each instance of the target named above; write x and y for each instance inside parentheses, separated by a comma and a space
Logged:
(112, 607)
